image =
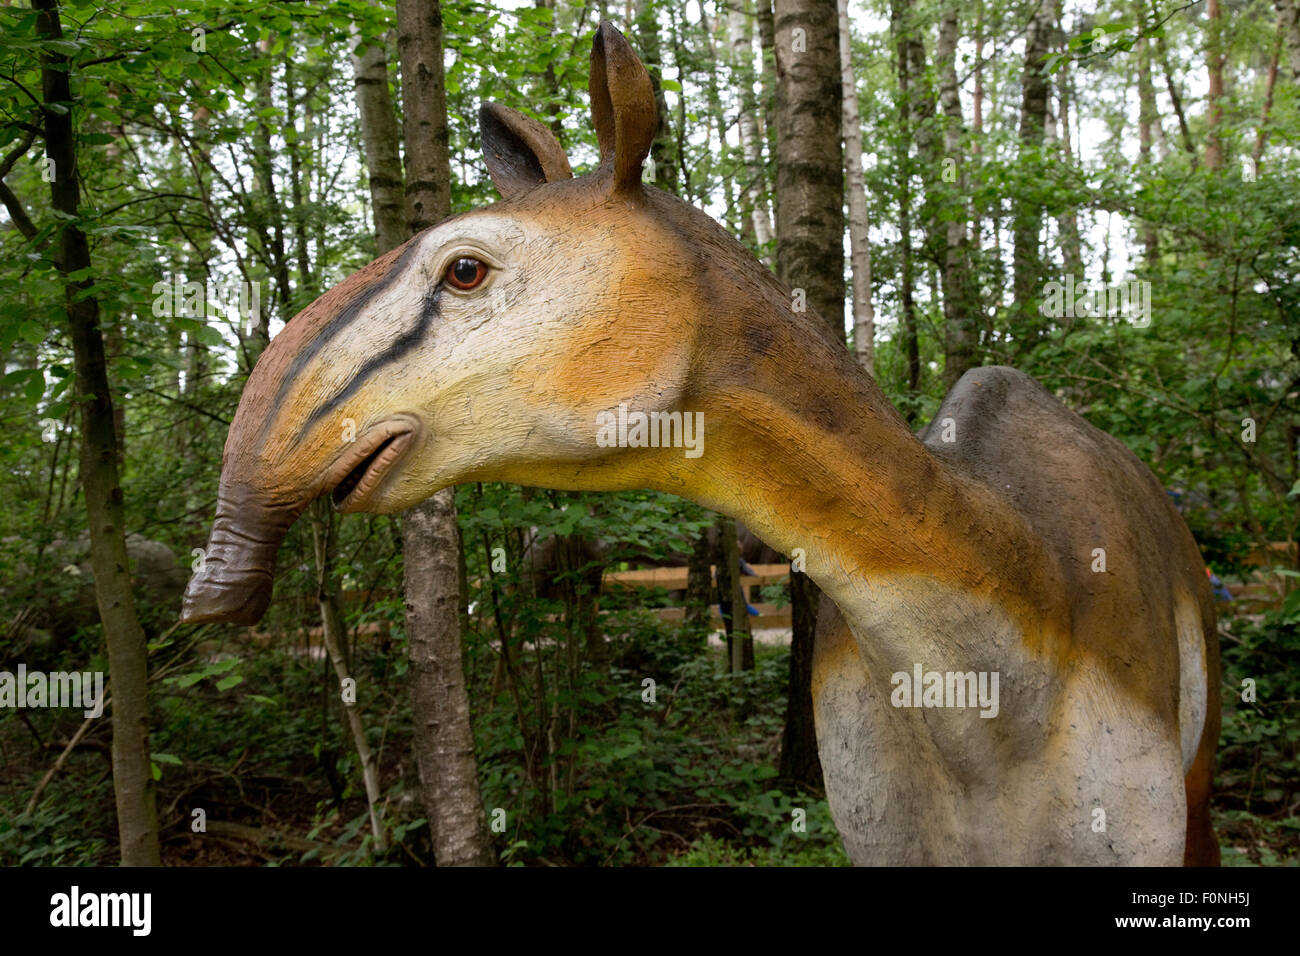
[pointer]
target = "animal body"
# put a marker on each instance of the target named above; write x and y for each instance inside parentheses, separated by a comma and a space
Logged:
(1016, 552)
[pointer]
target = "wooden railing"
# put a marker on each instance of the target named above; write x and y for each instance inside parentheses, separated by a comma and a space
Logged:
(674, 579)
(670, 579)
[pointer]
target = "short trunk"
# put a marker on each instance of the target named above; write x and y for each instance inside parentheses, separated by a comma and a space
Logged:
(443, 734)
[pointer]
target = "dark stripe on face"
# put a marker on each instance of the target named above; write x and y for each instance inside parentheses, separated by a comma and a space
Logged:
(345, 317)
(400, 347)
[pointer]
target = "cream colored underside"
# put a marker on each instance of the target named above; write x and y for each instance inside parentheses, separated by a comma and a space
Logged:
(1069, 770)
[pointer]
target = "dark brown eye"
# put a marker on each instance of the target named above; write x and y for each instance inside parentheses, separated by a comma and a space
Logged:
(465, 274)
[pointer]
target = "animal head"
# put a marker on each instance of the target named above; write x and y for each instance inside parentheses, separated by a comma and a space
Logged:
(487, 347)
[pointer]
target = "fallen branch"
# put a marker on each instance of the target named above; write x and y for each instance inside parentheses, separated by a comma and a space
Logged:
(63, 757)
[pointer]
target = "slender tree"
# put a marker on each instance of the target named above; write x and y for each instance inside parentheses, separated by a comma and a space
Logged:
(133, 785)
(809, 259)
(664, 150)
(1148, 117)
(960, 310)
(380, 139)
(864, 315)
(1214, 97)
(754, 177)
(1288, 13)
(1027, 221)
(444, 736)
(910, 63)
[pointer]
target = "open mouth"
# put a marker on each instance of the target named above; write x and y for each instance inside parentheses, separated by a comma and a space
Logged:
(370, 464)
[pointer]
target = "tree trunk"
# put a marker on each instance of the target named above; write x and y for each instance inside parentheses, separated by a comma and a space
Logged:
(1175, 99)
(133, 785)
(899, 14)
(767, 83)
(424, 97)
(444, 735)
(731, 600)
(1214, 97)
(663, 150)
(1027, 218)
(699, 589)
(754, 181)
(381, 140)
(1288, 12)
(809, 256)
(1270, 86)
(269, 220)
(334, 636)
(1148, 116)
(1068, 219)
(864, 316)
(960, 312)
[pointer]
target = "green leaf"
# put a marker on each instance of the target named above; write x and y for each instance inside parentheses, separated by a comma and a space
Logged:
(208, 335)
(229, 681)
(35, 388)
(31, 332)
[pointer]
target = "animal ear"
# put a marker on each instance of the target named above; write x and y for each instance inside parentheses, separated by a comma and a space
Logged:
(622, 105)
(520, 152)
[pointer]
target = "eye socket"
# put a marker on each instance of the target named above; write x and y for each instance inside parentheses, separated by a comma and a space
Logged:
(466, 273)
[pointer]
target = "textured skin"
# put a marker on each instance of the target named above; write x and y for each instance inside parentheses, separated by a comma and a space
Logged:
(1107, 708)
(969, 555)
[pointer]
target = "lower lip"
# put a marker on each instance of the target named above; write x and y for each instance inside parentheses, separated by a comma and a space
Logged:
(385, 465)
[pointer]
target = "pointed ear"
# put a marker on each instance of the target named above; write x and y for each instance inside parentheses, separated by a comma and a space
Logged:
(622, 105)
(520, 152)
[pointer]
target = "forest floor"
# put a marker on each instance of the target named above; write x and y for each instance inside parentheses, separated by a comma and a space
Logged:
(286, 795)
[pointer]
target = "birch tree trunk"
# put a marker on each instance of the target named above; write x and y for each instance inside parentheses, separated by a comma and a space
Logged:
(133, 784)
(753, 185)
(864, 316)
(444, 736)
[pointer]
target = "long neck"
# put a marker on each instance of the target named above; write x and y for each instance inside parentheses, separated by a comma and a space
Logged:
(804, 447)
